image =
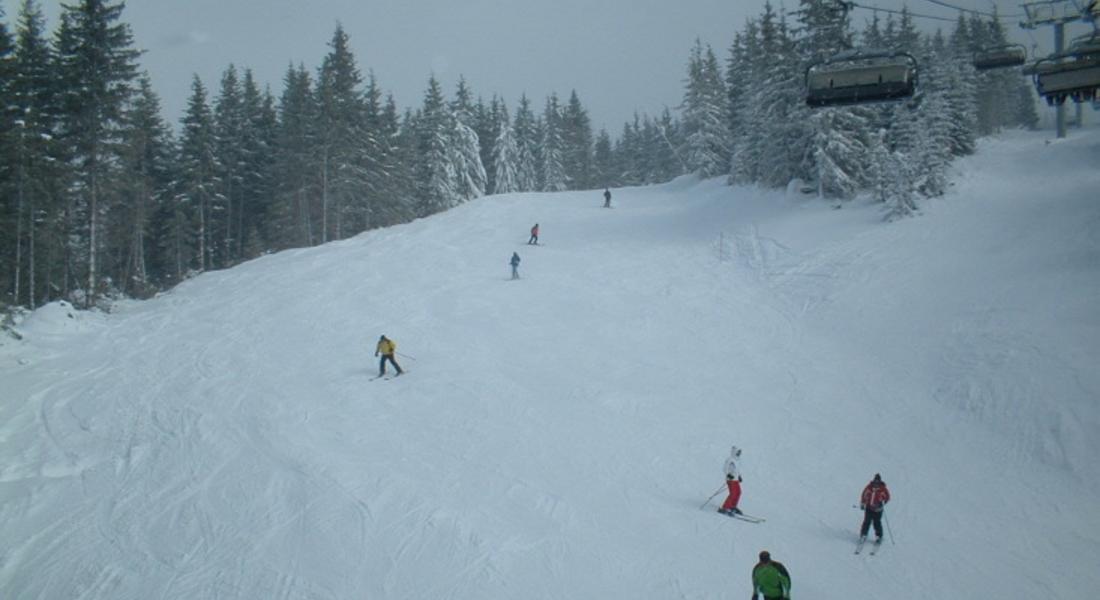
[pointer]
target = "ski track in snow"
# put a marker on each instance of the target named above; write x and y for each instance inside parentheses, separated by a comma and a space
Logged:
(555, 435)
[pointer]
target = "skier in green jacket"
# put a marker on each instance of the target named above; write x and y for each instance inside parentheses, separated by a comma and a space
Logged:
(770, 579)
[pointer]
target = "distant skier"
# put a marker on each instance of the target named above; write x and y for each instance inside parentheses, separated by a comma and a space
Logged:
(606, 198)
(770, 579)
(872, 501)
(534, 235)
(387, 348)
(515, 265)
(733, 482)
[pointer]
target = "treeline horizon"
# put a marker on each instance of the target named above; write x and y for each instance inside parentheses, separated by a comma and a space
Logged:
(100, 198)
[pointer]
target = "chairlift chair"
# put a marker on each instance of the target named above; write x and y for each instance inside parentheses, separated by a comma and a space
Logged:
(1000, 57)
(1074, 74)
(861, 76)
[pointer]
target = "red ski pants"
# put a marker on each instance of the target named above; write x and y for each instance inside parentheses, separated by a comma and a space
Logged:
(735, 494)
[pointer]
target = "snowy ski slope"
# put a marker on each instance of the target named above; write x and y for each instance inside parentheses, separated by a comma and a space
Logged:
(556, 435)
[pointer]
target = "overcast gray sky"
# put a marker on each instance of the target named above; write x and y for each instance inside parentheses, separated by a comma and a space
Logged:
(621, 56)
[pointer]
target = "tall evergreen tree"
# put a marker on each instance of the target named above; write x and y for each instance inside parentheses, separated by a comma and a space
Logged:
(839, 143)
(395, 200)
(505, 156)
(527, 136)
(486, 124)
(745, 140)
(147, 176)
(552, 175)
(774, 113)
(603, 161)
(290, 220)
(11, 204)
(956, 77)
(630, 154)
(342, 140)
(464, 146)
(576, 144)
(229, 153)
(705, 117)
(889, 178)
(464, 152)
(258, 134)
(97, 63)
(33, 162)
(436, 177)
(191, 238)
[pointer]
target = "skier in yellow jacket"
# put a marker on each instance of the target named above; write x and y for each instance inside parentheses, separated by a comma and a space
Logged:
(387, 348)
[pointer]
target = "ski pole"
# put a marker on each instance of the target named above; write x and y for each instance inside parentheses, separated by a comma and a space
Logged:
(888, 530)
(716, 492)
(402, 355)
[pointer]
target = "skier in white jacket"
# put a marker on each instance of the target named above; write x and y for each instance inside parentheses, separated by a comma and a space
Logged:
(733, 481)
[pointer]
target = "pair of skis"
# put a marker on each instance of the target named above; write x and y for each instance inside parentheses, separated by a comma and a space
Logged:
(875, 545)
(388, 377)
(743, 517)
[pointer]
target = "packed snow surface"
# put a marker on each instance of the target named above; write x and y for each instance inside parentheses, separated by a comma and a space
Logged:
(556, 436)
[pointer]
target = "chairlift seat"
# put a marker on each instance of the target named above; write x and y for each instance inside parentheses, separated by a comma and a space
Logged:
(1078, 79)
(838, 86)
(1000, 58)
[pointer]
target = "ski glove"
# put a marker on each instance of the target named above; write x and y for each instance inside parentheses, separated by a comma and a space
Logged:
(739, 478)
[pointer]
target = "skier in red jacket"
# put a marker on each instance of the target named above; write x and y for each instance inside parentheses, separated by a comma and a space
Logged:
(874, 498)
(534, 235)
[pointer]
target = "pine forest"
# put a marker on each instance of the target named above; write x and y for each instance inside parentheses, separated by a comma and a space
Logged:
(101, 198)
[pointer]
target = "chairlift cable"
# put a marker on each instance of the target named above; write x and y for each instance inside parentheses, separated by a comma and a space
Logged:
(898, 12)
(974, 11)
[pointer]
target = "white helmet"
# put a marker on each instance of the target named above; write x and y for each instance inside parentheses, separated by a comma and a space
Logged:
(735, 451)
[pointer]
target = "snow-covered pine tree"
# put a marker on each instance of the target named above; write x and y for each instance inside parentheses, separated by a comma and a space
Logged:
(342, 140)
(838, 147)
(778, 115)
(840, 152)
(603, 161)
(998, 89)
(12, 202)
(147, 174)
(383, 179)
(930, 159)
(629, 154)
(669, 138)
(505, 156)
(923, 129)
(576, 144)
(464, 147)
(651, 144)
(436, 177)
(32, 164)
(527, 136)
(1024, 107)
(888, 175)
(552, 175)
(487, 126)
(259, 127)
(395, 198)
(229, 154)
(192, 234)
(97, 67)
(290, 221)
(705, 117)
(742, 161)
(465, 156)
(958, 82)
